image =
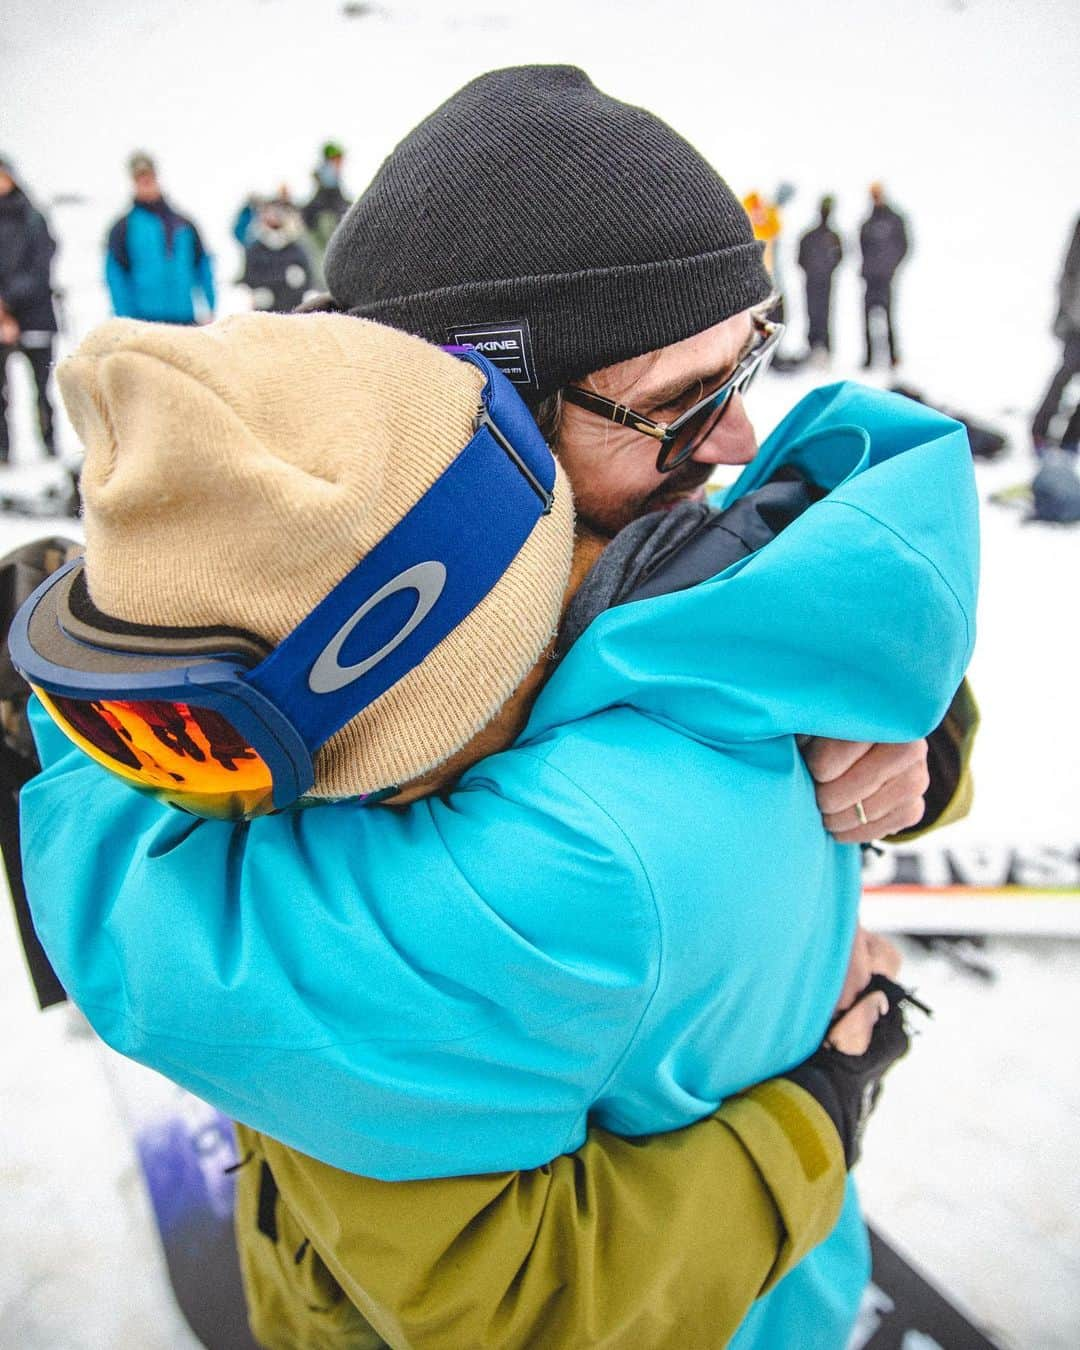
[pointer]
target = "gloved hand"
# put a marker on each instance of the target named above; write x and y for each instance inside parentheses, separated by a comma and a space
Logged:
(848, 1086)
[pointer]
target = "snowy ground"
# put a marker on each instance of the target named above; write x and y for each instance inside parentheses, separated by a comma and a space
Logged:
(960, 106)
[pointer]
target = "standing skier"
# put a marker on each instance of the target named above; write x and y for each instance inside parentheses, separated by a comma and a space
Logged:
(768, 226)
(884, 243)
(155, 260)
(27, 316)
(820, 251)
(276, 264)
(327, 205)
(1067, 328)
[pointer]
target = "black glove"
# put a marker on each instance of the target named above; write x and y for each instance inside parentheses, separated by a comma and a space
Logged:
(848, 1086)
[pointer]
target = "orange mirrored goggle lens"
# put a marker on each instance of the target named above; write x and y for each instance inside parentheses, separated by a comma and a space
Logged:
(189, 756)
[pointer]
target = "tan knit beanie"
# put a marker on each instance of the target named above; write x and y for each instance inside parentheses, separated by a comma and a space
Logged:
(235, 473)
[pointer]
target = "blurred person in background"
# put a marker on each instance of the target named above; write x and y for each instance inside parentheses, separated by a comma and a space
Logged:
(884, 243)
(768, 226)
(27, 315)
(1067, 328)
(243, 225)
(820, 251)
(276, 264)
(328, 203)
(155, 261)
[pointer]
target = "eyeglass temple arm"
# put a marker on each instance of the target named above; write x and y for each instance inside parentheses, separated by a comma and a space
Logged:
(614, 412)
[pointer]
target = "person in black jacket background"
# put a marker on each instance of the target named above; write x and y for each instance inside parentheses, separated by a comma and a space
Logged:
(27, 316)
(327, 205)
(820, 251)
(276, 264)
(1067, 328)
(884, 242)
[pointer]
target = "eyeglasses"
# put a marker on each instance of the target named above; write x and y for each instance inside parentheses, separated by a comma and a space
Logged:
(679, 439)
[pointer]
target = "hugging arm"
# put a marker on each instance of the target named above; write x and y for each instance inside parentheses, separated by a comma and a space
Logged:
(583, 1239)
(904, 790)
(661, 1240)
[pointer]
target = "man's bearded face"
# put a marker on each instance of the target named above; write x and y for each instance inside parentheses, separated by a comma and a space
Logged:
(613, 468)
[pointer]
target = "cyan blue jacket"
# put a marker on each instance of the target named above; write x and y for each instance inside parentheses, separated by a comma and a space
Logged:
(630, 914)
(154, 262)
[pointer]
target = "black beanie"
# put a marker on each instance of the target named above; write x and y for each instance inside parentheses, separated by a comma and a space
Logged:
(553, 226)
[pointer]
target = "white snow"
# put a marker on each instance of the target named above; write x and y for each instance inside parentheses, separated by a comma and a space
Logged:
(964, 109)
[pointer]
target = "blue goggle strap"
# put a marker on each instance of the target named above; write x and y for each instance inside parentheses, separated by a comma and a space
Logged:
(422, 579)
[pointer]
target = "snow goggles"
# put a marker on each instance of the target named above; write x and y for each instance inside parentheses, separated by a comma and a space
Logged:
(220, 724)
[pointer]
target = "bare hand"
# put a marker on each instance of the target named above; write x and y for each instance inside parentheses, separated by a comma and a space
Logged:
(888, 782)
(871, 954)
(851, 1035)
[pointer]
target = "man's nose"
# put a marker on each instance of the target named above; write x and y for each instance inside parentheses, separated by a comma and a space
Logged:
(732, 440)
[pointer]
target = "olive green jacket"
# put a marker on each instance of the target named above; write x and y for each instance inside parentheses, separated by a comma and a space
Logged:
(629, 1244)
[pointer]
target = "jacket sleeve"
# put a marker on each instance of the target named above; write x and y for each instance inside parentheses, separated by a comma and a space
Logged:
(403, 993)
(118, 273)
(662, 1241)
(242, 223)
(204, 274)
(952, 789)
(1071, 266)
(119, 284)
(33, 266)
(309, 212)
(903, 241)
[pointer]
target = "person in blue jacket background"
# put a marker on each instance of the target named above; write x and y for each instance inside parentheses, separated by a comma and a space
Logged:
(632, 913)
(156, 264)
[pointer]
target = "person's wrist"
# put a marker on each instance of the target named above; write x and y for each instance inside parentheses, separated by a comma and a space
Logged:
(817, 1084)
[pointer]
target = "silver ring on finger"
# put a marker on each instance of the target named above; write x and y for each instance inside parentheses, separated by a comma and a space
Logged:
(860, 814)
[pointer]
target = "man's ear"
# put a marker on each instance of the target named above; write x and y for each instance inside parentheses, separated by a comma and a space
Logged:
(508, 722)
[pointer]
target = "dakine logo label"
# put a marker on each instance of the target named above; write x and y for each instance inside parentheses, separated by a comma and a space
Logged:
(328, 675)
(506, 345)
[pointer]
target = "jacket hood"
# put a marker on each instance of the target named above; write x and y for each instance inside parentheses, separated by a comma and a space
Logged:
(857, 622)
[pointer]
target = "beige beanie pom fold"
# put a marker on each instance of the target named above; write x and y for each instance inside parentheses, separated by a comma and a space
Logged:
(235, 473)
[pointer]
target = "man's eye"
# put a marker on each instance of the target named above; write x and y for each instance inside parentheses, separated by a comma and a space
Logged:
(681, 401)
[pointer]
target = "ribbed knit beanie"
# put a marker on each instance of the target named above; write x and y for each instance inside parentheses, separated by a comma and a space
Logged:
(235, 473)
(553, 226)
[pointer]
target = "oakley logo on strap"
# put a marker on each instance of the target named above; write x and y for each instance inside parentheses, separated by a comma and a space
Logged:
(427, 579)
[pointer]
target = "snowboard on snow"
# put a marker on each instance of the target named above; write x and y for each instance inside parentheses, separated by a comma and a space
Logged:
(946, 884)
(187, 1154)
(903, 1310)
